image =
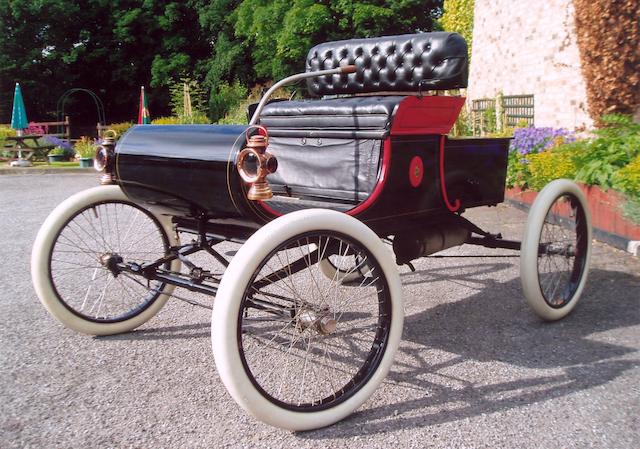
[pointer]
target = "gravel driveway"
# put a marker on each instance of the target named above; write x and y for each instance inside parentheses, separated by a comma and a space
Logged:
(475, 369)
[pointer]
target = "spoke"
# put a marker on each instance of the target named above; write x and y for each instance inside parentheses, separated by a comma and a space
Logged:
(83, 284)
(559, 266)
(291, 359)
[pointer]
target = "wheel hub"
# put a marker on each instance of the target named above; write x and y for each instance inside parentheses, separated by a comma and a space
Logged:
(561, 249)
(111, 262)
(322, 322)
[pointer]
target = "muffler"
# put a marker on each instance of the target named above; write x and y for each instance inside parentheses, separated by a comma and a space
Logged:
(414, 244)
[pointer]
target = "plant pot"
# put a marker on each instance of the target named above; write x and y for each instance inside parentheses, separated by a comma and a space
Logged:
(55, 158)
(86, 162)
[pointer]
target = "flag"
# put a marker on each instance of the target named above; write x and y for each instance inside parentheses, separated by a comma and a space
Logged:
(143, 109)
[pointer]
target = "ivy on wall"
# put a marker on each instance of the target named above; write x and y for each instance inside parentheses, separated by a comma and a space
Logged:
(609, 41)
(458, 17)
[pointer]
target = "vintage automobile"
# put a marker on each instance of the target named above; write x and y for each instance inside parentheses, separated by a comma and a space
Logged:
(308, 313)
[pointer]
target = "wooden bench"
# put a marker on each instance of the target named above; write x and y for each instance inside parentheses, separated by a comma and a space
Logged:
(63, 126)
(31, 145)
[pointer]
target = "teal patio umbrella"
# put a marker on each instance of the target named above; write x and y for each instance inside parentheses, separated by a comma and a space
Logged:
(19, 122)
(19, 114)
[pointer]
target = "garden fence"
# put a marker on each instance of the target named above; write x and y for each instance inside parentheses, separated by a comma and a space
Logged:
(490, 115)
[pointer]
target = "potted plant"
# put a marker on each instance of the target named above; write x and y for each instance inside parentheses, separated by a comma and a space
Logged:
(57, 154)
(85, 150)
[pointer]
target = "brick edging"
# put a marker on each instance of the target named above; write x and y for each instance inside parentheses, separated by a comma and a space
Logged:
(609, 226)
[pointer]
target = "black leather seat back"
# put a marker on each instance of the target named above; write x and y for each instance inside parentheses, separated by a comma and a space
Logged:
(427, 61)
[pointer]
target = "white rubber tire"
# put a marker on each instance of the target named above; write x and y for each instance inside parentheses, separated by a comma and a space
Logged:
(44, 243)
(228, 302)
(529, 249)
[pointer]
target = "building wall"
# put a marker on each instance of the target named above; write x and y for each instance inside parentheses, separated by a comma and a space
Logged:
(529, 47)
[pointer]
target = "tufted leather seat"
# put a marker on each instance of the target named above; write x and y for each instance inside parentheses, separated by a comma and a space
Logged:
(407, 63)
(433, 61)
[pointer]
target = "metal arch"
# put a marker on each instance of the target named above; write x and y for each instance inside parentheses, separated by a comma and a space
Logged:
(98, 102)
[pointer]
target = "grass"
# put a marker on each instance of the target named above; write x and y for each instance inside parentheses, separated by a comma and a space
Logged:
(63, 164)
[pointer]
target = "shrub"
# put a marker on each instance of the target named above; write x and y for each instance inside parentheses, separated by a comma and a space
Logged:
(192, 120)
(549, 165)
(120, 128)
(615, 145)
(627, 179)
(85, 147)
(166, 121)
(197, 113)
(238, 114)
(462, 126)
(4, 133)
(225, 100)
(517, 170)
(458, 17)
(608, 37)
(530, 141)
(57, 151)
(631, 210)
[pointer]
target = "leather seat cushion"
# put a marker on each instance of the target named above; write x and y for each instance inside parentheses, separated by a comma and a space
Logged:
(406, 63)
(360, 113)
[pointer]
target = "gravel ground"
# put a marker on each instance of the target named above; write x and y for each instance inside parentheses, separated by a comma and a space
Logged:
(475, 369)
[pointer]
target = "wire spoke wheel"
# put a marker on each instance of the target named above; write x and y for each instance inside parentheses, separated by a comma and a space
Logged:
(331, 334)
(296, 348)
(564, 249)
(85, 255)
(556, 250)
(78, 255)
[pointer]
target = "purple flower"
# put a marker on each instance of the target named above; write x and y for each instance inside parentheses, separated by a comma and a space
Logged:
(53, 140)
(535, 140)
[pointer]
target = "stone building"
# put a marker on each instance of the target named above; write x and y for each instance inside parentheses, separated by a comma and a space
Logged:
(524, 47)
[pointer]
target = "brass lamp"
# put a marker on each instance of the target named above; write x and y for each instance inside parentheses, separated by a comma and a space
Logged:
(104, 160)
(254, 164)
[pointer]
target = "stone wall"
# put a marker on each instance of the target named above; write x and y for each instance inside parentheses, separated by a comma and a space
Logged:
(529, 47)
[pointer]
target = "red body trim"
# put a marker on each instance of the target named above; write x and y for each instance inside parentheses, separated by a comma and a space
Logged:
(267, 209)
(382, 179)
(377, 190)
(426, 115)
(443, 186)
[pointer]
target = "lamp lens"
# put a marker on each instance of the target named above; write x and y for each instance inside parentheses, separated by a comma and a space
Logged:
(251, 164)
(101, 159)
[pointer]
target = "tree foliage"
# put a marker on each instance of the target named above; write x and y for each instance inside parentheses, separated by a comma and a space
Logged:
(280, 32)
(609, 42)
(112, 47)
(458, 17)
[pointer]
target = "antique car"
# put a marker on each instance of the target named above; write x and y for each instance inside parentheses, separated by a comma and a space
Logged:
(327, 196)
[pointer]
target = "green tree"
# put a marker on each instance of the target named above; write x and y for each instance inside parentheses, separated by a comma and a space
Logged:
(109, 46)
(280, 32)
(458, 17)
(114, 46)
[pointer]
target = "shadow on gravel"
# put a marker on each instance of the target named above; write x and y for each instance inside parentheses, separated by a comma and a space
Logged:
(470, 274)
(186, 331)
(495, 326)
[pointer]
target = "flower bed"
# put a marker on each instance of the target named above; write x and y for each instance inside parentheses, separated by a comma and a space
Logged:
(607, 164)
(609, 224)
